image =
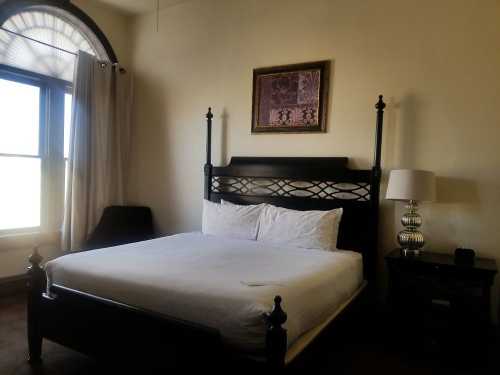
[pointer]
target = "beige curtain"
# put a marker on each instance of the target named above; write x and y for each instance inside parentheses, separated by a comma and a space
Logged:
(99, 144)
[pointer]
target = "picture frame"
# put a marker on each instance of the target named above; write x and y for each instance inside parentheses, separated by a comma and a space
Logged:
(291, 98)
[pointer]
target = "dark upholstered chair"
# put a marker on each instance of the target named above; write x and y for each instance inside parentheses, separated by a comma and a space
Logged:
(120, 225)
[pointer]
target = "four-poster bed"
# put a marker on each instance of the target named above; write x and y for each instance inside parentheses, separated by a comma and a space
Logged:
(107, 328)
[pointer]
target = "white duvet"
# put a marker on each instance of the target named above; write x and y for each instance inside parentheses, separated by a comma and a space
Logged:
(222, 283)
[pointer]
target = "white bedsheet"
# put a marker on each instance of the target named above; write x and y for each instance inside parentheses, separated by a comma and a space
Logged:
(223, 283)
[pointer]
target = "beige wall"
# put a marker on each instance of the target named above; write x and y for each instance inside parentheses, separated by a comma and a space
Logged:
(115, 25)
(14, 251)
(436, 62)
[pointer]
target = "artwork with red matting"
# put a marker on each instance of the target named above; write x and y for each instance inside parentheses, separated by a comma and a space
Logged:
(289, 101)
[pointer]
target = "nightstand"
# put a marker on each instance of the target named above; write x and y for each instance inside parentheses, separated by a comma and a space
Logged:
(440, 301)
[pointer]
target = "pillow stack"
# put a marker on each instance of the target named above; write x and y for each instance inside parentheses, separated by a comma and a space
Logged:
(268, 223)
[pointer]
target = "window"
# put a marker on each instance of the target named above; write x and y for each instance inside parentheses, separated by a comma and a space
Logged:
(35, 112)
(20, 160)
(35, 108)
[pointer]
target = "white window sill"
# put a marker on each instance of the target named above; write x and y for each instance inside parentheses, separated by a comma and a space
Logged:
(20, 232)
(24, 240)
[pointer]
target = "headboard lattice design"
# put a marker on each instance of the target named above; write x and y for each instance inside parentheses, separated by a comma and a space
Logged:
(285, 187)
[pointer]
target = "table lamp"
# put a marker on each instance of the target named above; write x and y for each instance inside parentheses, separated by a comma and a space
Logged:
(411, 186)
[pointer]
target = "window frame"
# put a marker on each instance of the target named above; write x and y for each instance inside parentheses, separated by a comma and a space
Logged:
(50, 150)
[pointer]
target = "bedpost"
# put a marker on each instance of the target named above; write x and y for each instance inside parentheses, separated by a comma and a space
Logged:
(36, 286)
(208, 164)
(276, 337)
(380, 106)
(375, 187)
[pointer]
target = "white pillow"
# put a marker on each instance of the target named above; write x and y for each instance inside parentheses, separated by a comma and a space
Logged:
(307, 229)
(231, 220)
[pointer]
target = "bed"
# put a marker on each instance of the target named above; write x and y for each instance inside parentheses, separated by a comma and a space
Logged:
(193, 295)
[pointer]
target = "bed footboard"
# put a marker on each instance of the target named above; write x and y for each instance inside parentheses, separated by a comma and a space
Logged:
(114, 331)
(276, 338)
(36, 285)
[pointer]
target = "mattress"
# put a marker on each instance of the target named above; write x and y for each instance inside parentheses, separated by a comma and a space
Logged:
(222, 283)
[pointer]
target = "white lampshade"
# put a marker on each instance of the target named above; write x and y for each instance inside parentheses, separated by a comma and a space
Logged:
(410, 184)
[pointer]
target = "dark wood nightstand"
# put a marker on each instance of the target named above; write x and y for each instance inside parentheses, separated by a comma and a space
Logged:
(435, 298)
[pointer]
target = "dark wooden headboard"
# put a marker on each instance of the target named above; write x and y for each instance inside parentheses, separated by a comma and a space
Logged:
(308, 183)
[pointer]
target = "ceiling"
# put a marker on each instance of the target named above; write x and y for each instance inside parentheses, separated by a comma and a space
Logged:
(140, 6)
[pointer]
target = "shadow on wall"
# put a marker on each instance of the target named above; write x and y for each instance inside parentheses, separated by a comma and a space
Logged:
(389, 158)
(457, 190)
(148, 178)
(387, 214)
(457, 202)
(400, 131)
(386, 241)
(407, 130)
(389, 143)
(224, 137)
(330, 108)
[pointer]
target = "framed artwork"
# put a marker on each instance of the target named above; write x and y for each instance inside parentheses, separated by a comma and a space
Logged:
(290, 98)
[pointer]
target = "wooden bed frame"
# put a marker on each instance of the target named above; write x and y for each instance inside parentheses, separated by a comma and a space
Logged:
(112, 330)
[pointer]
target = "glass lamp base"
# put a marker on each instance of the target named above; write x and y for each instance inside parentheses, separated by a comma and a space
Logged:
(410, 238)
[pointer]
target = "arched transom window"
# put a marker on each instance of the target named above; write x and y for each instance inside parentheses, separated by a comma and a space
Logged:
(47, 27)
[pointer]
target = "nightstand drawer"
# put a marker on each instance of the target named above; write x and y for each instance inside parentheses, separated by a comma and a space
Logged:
(428, 287)
(464, 275)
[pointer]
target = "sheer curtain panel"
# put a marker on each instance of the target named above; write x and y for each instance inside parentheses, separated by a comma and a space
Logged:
(99, 146)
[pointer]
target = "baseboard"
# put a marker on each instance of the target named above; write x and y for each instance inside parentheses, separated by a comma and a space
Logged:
(12, 285)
